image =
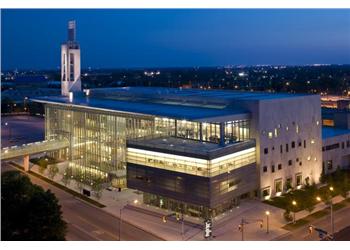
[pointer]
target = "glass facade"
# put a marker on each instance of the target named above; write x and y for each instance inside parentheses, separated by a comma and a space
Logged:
(98, 141)
(209, 132)
(190, 165)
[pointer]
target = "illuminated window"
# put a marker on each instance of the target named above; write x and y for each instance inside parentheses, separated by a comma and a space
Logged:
(298, 179)
(278, 186)
(266, 192)
(270, 135)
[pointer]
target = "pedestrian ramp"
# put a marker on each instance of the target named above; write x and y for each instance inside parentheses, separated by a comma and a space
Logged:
(33, 148)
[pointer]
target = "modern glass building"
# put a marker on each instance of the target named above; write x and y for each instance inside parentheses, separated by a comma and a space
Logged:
(198, 151)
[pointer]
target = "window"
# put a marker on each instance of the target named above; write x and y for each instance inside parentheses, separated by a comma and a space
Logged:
(273, 168)
(264, 169)
(333, 146)
(278, 186)
(298, 179)
(290, 162)
(289, 183)
(279, 166)
(266, 151)
(293, 144)
(266, 192)
(329, 165)
(287, 149)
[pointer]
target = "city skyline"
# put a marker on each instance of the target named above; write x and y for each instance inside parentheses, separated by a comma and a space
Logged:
(177, 38)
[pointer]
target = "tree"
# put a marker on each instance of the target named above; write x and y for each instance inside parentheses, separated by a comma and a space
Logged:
(29, 212)
(52, 171)
(97, 187)
(67, 176)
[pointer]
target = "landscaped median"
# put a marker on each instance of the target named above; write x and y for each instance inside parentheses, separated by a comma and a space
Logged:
(314, 216)
(299, 204)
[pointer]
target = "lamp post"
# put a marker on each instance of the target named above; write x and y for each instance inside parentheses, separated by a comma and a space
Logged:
(164, 218)
(318, 198)
(267, 221)
(294, 203)
(9, 129)
(120, 216)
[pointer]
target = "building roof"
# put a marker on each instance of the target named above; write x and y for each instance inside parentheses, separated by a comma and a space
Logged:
(328, 132)
(191, 104)
(144, 108)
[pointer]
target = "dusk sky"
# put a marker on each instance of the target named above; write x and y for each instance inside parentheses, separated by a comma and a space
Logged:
(164, 38)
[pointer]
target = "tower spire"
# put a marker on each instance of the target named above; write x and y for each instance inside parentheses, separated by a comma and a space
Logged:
(70, 62)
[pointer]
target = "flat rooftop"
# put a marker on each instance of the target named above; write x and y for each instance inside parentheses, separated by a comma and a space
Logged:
(328, 132)
(191, 104)
(190, 148)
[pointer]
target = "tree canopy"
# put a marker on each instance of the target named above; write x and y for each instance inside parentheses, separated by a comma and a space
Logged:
(28, 211)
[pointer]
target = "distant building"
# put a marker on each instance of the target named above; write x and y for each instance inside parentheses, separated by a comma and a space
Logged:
(337, 102)
(70, 62)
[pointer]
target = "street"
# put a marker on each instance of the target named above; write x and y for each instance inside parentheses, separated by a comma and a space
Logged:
(86, 222)
(341, 220)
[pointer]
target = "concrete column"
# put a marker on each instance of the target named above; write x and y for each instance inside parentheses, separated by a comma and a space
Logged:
(26, 163)
(200, 132)
(175, 128)
(222, 133)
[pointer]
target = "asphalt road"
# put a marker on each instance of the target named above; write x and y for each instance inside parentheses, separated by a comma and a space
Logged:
(343, 234)
(341, 221)
(86, 222)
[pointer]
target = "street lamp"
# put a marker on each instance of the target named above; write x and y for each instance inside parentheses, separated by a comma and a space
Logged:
(120, 215)
(9, 129)
(318, 198)
(294, 203)
(267, 221)
(164, 219)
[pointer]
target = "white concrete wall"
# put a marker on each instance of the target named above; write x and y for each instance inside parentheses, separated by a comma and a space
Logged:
(67, 85)
(339, 156)
(277, 114)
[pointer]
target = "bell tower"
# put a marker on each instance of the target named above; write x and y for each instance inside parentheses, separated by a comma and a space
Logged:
(70, 62)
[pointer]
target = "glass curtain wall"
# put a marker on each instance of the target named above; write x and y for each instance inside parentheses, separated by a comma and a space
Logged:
(234, 130)
(98, 141)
